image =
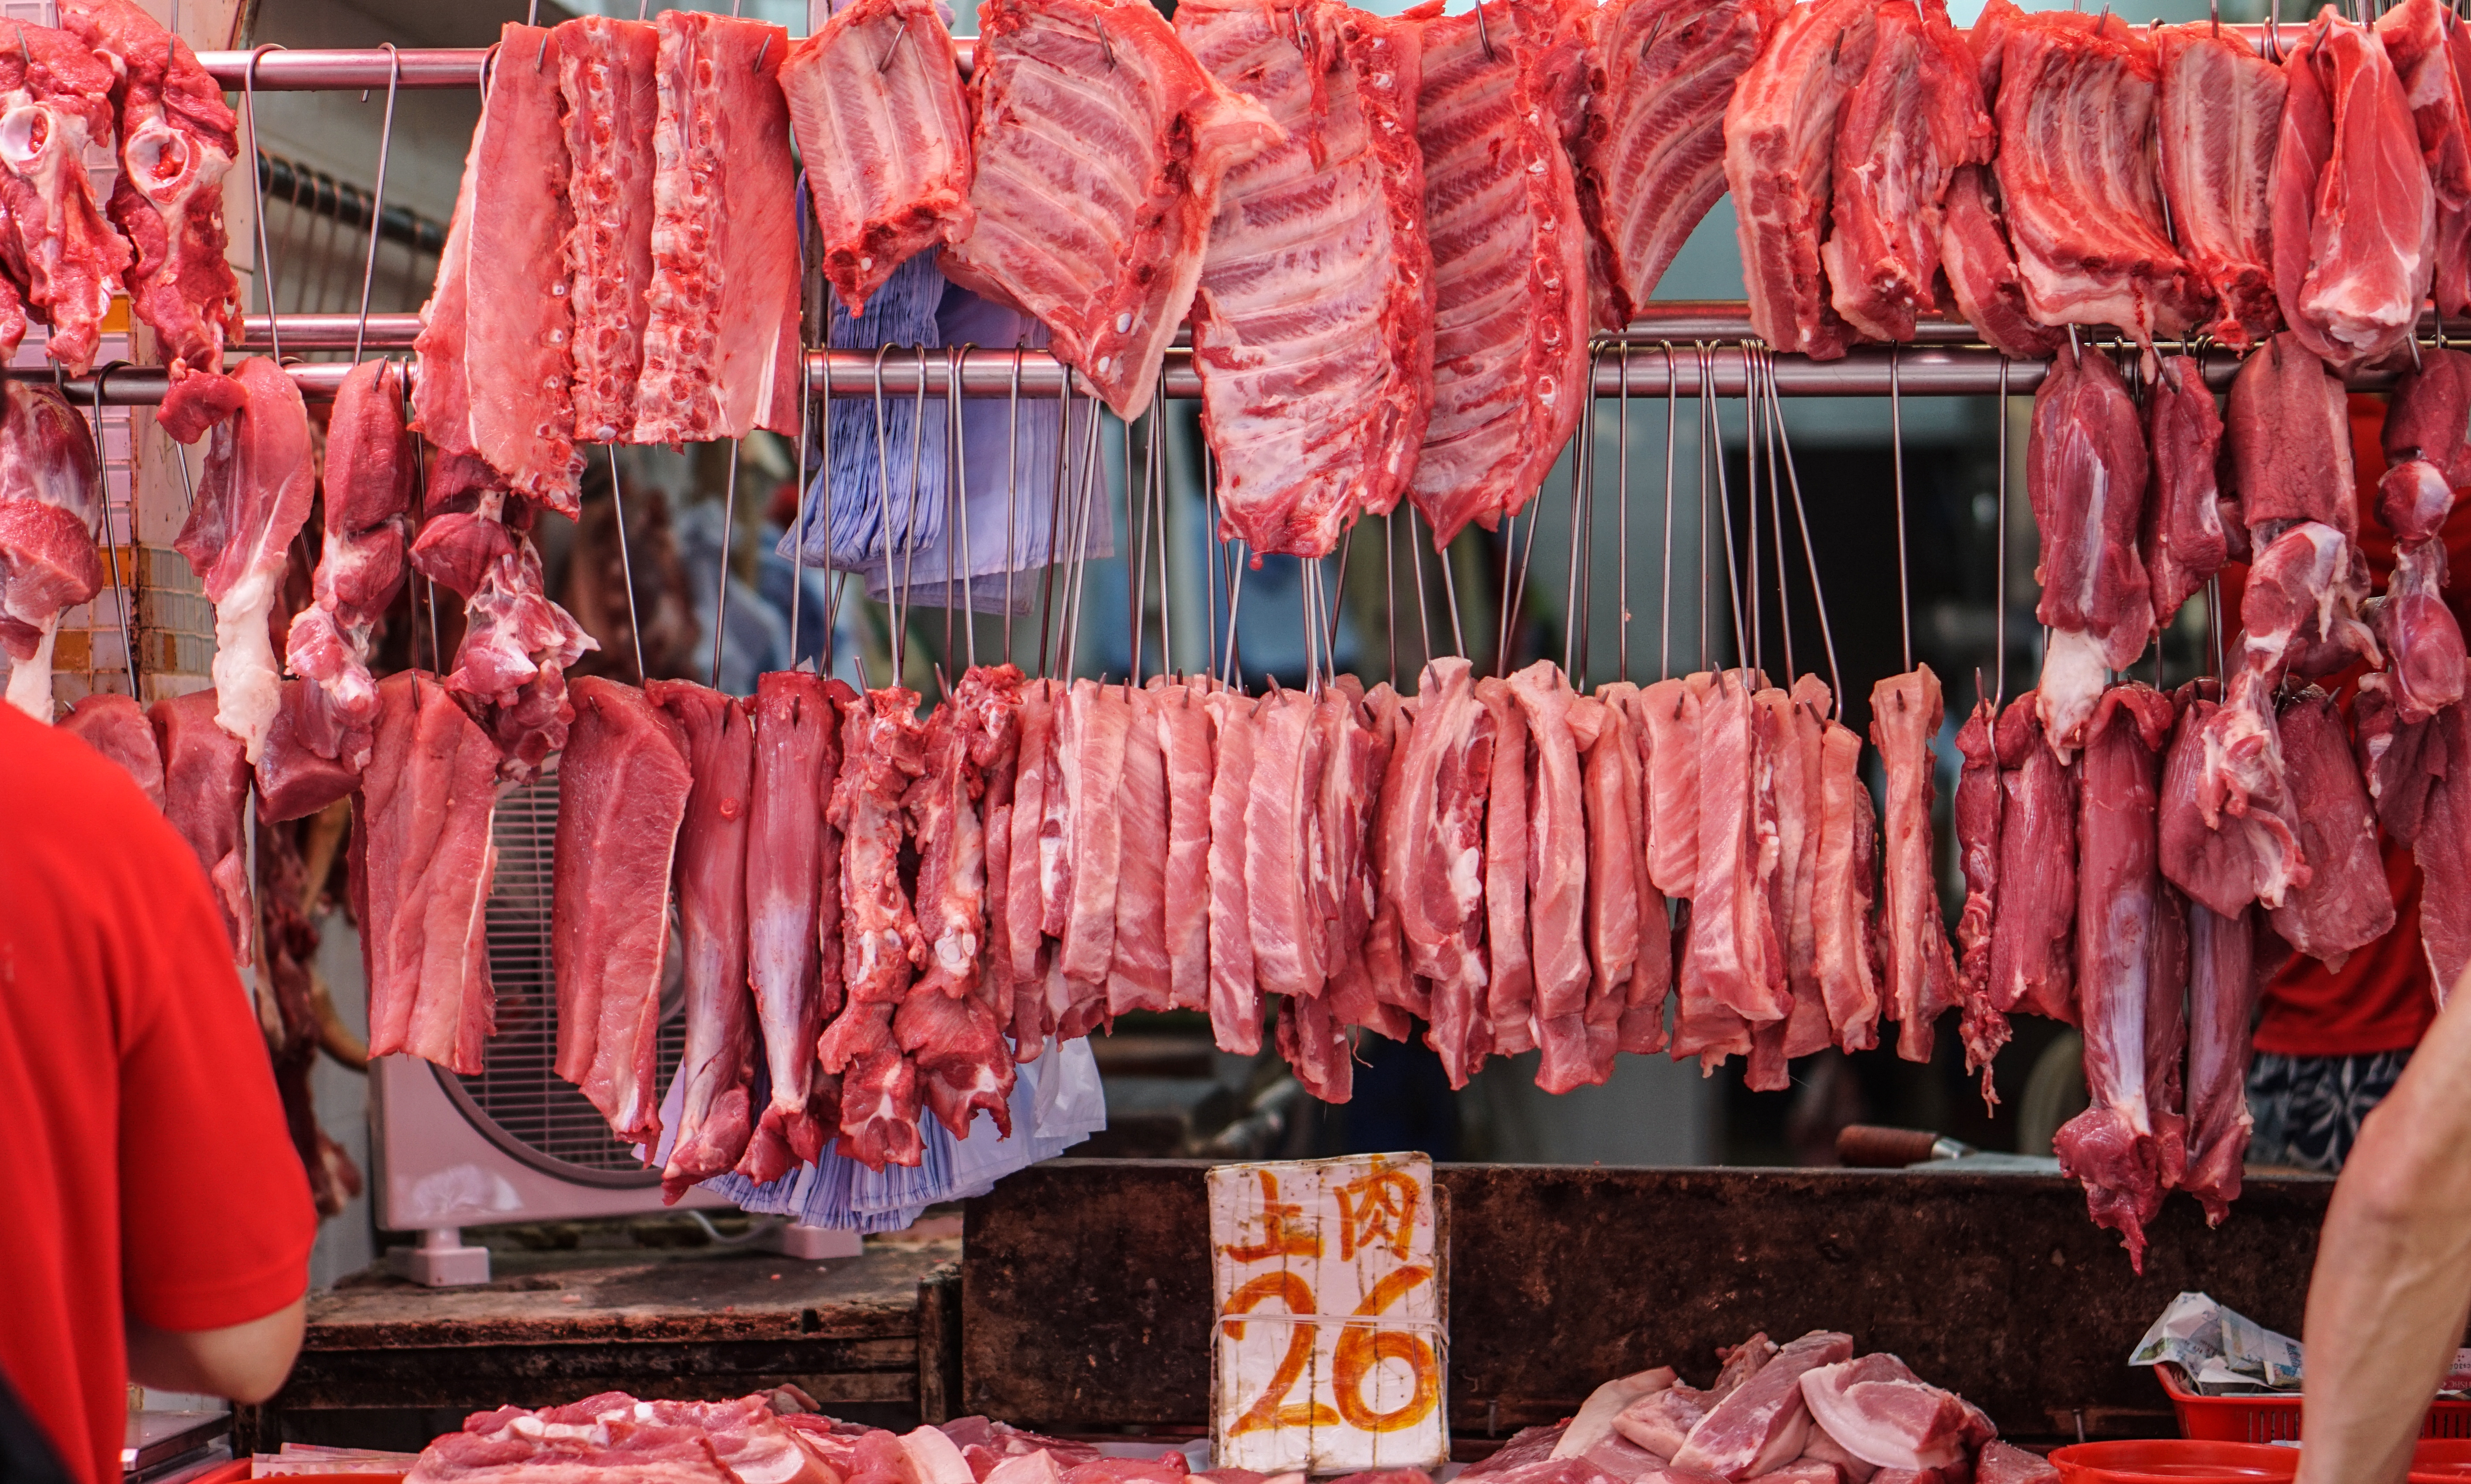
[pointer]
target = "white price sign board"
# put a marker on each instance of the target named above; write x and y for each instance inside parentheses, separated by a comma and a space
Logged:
(1330, 1349)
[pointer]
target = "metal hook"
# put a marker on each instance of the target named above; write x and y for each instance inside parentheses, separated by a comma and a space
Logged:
(377, 200)
(257, 191)
(1483, 34)
(1897, 442)
(766, 50)
(901, 34)
(1099, 27)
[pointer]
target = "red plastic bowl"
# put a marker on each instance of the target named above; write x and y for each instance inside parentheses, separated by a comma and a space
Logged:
(2175, 1461)
(2441, 1461)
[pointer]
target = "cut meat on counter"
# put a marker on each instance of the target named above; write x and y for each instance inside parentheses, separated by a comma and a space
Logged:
(422, 859)
(53, 241)
(623, 791)
(1880, 1411)
(1313, 326)
(117, 726)
(2183, 541)
(205, 788)
(2086, 472)
(2290, 434)
(2345, 903)
(1912, 119)
(2354, 229)
(2032, 936)
(1922, 983)
(792, 864)
(882, 753)
(2221, 1005)
(370, 469)
(718, 1062)
(883, 127)
(1763, 1423)
(2115, 1146)
(1982, 272)
(177, 141)
(51, 496)
(720, 342)
(1510, 258)
(1780, 133)
(2216, 126)
(605, 70)
(2074, 102)
(510, 669)
(1651, 155)
(496, 358)
(251, 499)
(1100, 145)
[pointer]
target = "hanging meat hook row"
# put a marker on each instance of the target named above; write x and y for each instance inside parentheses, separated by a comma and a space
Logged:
(112, 543)
(1809, 551)
(626, 568)
(906, 598)
(377, 200)
(1012, 490)
(1725, 502)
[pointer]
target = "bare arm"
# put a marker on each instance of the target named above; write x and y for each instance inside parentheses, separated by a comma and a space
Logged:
(2392, 1286)
(246, 1362)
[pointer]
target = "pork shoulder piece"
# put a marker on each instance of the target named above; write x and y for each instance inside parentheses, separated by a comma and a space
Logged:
(252, 499)
(1980, 268)
(2075, 102)
(1101, 146)
(177, 141)
(53, 241)
(2354, 229)
(117, 726)
(795, 756)
(609, 101)
(2086, 473)
(2345, 903)
(2033, 936)
(1508, 1010)
(1914, 117)
(1921, 984)
(1312, 325)
(2221, 1005)
(1651, 153)
(1979, 797)
(1780, 132)
(2112, 1146)
(623, 791)
(2220, 114)
(205, 788)
(1510, 259)
(720, 342)
(883, 125)
(51, 497)
(369, 468)
(719, 1065)
(1880, 1412)
(2182, 542)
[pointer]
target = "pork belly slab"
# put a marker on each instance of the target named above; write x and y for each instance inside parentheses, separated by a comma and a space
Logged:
(1779, 162)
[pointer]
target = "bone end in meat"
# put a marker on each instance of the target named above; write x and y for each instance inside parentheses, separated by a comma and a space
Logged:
(51, 496)
(609, 103)
(57, 95)
(511, 667)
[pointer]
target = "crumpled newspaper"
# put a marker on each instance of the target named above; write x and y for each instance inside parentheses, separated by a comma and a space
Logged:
(2223, 1353)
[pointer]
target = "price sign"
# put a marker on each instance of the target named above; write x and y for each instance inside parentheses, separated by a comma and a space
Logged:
(1330, 1350)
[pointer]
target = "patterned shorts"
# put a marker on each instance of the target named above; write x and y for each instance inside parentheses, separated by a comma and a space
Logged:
(2308, 1109)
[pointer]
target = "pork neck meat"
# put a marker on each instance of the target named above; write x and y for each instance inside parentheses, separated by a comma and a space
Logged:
(205, 788)
(421, 863)
(2075, 105)
(1510, 259)
(2344, 905)
(721, 341)
(1313, 321)
(2033, 936)
(1780, 154)
(2182, 541)
(719, 1058)
(51, 497)
(177, 141)
(1436, 865)
(1979, 797)
(608, 101)
(2354, 229)
(2115, 1146)
(495, 348)
(1922, 983)
(511, 667)
(53, 241)
(117, 726)
(1914, 118)
(2086, 472)
(1980, 268)
(623, 788)
(1650, 155)
(252, 499)
(2216, 126)
(1101, 146)
(882, 125)
(2289, 434)
(792, 885)
(369, 468)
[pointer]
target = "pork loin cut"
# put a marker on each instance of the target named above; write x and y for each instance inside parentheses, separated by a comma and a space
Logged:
(2086, 469)
(1922, 983)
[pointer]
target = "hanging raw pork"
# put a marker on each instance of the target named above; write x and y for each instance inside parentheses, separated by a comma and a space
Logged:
(2033, 935)
(205, 793)
(117, 726)
(609, 101)
(882, 753)
(2182, 541)
(55, 246)
(2430, 62)
(1780, 133)
(1435, 861)
(1921, 980)
(1101, 146)
(1313, 326)
(1978, 805)
(2220, 114)
(1980, 268)
(51, 495)
(2085, 470)
(511, 667)
(370, 470)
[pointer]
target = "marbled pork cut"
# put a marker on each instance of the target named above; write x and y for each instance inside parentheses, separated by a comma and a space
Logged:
(2220, 113)
(177, 141)
(53, 241)
(1505, 1023)
(796, 756)
(1313, 326)
(1510, 261)
(421, 862)
(719, 1058)
(1100, 145)
(609, 101)
(1436, 863)
(884, 127)
(205, 788)
(720, 343)
(622, 792)
(1779, 162)
(1922, 983)
(1844, 942)
(51, 495)
(369, 468)
(1651, 153)
(252, 499)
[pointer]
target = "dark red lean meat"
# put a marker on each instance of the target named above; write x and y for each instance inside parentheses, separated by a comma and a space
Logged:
(117, 726)
(1781, 132)
(2345, 903)
(719, 1063)
(370, 469)
(2421, 639)
(2032, 963)
(2086, 472)
(2230, 834)
(2418, 36)
(2290, 434)
(2215, 128)
(2429, 415)
(2222, 1006)
(793, 866)
(510, 670)
(421, 862)
(205, 789)
(2182, 540)
(1921, 984)
(51, 498)
(1979, 797)
(2441, 845)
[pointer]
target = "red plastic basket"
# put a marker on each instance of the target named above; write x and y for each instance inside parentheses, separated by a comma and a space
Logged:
(2275, 1418)
(2173, 1461)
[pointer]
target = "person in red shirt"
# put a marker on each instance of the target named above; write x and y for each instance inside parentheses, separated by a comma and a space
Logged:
(155, 1221)
(2330, 1042)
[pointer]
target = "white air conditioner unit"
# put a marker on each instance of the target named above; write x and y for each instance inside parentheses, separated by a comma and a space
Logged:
(516, 1142)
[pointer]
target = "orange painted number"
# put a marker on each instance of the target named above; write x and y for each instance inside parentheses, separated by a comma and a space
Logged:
(1360, 1350)
(1272, 1410)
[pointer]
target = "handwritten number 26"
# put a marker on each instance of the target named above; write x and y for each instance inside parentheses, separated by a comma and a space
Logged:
(1360, 1348)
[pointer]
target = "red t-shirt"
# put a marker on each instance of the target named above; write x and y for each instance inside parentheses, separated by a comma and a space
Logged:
(2380, 1000)
(148, 1169)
